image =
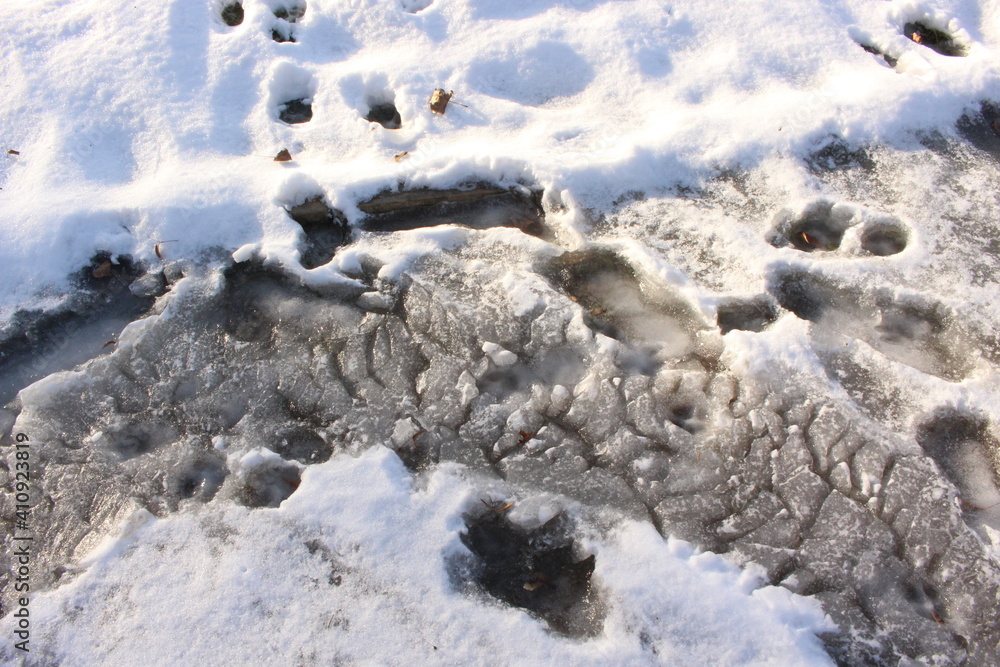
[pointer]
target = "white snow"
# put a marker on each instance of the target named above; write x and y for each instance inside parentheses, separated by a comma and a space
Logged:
(139, 123)
(241, 586)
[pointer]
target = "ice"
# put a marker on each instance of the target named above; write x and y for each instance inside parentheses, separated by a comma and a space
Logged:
(285, 376)
(37, 343)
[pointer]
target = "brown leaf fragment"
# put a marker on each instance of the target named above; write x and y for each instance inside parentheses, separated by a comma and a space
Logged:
(399, 157)
(496, 506)
(13, 152)
(110, 342)
(416, 435)
(809, 240)
(525, 436)
(104, 270)
(440, 99)
(283, 156)
(158, 248)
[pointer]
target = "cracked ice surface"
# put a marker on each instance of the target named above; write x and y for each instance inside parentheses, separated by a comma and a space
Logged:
(492, 357)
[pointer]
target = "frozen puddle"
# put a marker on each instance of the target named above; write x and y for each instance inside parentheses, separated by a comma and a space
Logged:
(112, 292)
(579, 387)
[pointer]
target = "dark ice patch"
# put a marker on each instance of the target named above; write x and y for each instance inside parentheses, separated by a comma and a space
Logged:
(232, 14)
(884, 239)
(326, 229)
(934, 39)
(385, 114)
(268, 484)
(477, 207)
(295, 112)
(746, 314)
(36, 343)
(536, 570)
(302, 444)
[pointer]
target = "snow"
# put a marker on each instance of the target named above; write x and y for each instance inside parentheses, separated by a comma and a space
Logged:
(142, 124)
(748, 159)
(373, 583)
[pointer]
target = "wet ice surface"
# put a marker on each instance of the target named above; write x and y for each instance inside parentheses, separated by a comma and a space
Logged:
(585, 382)
(38, 342)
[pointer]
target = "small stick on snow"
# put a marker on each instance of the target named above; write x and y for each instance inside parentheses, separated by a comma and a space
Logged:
(157, 250)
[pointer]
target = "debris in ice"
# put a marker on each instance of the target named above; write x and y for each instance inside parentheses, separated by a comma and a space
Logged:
(538, 570)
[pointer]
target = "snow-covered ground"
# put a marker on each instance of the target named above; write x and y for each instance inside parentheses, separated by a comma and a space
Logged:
(728, 284)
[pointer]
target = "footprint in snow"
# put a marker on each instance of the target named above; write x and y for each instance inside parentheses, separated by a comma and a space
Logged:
(415, 6)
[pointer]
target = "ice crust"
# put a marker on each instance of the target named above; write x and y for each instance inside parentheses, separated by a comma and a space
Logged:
(760, 321)
(245, 379)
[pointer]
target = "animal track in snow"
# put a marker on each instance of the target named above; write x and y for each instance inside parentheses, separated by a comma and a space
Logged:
(885, 238)
(385, 114)
(746, 314)
(823, 225)
(982, 128)
(968, 453)
(912, 331)
(285, 18)
(889, 60)
(198, 478)
(291, 13)
(267, 483)
(291, 93)
(619, 305)
(295, 112)
(934, 39)
(415, 6)
(232, 14)
(325, 230)
(282, 33)
(820, 226)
